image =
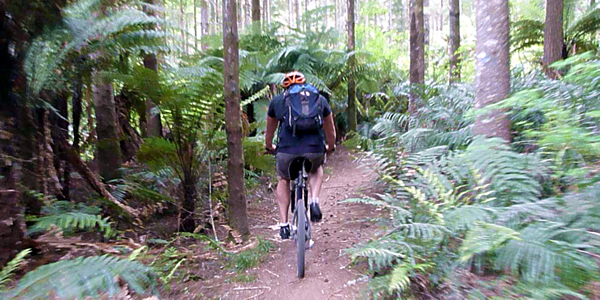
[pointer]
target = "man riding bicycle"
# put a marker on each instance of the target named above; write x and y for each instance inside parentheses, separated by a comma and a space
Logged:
(305, 122)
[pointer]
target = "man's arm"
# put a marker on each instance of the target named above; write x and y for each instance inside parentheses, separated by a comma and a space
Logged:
(270, 132)
(329, 128)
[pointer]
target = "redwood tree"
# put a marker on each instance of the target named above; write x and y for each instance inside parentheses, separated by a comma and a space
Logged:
(417, 52)
(492, 78)
(351, 65)
(454, 40)
(238, 218)
(553, 36)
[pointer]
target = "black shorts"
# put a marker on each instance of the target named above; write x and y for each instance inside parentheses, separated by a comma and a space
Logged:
(284, 160)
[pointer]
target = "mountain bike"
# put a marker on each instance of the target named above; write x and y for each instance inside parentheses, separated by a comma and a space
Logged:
(301, 230)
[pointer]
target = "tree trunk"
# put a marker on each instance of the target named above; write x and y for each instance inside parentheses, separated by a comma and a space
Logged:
(129, 139)
(427, 33)
(196, 24)
(204, 28)
(238, 218)
(351, 66)
(12, 226)
(190, 196)
(417, 53)
(553, 36)
(108, 151)
(454, 40)
(256, 16)
(60, 131)
(492, 78)
(150, 122)
(297, 13)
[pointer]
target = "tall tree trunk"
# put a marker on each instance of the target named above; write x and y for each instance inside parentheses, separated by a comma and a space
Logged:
(265, 13)
(196, 24)
(297, 13)
(108, 151)
(256, 16)
(12, 226)
(351, 66)
(492, 53)
(60, 131)
(417, 53)
(204, 28)
(553, 36)
(76, 103)
(454, 40)
(150, 123)
(238, 218)
(427, 32)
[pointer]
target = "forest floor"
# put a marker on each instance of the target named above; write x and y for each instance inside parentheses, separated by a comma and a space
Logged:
(330, 274)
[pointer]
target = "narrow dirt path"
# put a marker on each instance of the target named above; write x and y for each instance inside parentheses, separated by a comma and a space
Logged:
(329, 272)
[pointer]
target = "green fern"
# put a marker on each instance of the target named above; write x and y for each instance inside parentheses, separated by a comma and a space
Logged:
(73, 220)
(7, 271)
(84, 277)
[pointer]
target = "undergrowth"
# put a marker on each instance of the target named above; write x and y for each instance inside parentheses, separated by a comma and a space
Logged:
(457, 204)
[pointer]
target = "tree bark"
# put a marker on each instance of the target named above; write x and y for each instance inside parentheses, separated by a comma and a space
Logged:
(12, 226)
(150, 123)
(553, 36)
(417, 54)
(204, 28)
(108, 151)
(256, 16)
(492, 78)
(351, 66)
(238, 218)
(454, 40)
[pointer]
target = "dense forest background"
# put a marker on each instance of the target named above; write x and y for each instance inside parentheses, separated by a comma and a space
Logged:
(481, 115)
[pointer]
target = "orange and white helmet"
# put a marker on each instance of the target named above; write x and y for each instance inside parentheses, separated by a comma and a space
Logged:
(293, 78)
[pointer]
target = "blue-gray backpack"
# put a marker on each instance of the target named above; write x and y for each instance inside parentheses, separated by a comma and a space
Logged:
(304, 109)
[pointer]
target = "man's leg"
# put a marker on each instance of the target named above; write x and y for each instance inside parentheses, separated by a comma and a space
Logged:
(283, 199)
(315, 180)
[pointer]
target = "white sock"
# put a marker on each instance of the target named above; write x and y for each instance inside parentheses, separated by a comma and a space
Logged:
(314, 200)
(283, 224)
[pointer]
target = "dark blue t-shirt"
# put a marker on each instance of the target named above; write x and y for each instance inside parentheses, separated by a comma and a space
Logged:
(299, 144)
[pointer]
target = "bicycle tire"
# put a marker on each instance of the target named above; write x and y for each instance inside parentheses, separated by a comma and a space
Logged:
(301, 238)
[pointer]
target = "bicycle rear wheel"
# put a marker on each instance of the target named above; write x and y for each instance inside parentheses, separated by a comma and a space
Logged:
(301, 237)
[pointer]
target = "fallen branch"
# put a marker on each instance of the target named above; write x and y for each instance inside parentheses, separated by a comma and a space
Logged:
(70, 155)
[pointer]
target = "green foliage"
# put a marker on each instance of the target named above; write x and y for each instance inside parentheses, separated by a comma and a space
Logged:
(251, 258)
(68, 217)
(84, 277)
(460, 204)
(7, 271)
(73, 220)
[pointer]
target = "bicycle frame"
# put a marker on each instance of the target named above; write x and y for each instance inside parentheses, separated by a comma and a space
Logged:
(300, 184)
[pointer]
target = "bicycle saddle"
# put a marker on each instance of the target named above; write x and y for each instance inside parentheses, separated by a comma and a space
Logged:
(297, 164)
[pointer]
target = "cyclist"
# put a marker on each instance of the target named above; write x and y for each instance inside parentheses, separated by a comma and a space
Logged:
(291, 145)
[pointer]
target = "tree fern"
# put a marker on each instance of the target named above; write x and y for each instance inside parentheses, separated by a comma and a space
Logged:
(84, 277)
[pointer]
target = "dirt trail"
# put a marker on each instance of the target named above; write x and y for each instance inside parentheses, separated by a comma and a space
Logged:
(329, 273)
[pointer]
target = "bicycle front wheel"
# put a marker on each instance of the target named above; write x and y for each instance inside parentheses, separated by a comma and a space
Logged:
(301, 237)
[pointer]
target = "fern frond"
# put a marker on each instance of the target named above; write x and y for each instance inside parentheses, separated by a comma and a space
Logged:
(85, 277)
(12, 266)
(73, 220)
(485, 237)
